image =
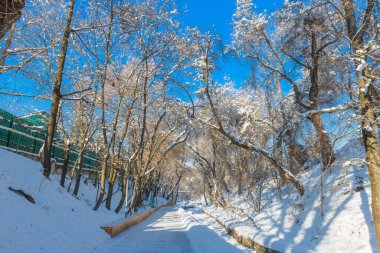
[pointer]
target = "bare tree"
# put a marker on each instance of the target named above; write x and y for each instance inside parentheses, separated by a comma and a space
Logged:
(206, 66)
(56, 95)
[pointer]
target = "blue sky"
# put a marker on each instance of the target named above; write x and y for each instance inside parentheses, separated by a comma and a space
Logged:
(207, 15)
(216, 16)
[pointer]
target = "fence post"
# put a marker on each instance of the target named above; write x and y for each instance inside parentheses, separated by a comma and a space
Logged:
(35, 146)
(18, 142)
(9, 133)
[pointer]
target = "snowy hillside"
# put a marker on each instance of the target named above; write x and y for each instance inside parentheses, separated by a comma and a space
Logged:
(58, 222)
(293, 224)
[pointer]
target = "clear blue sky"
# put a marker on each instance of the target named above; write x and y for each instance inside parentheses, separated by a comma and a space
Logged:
(207, 15)
(216, 16)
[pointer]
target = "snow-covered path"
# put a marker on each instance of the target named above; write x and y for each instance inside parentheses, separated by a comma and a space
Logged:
(168, 231)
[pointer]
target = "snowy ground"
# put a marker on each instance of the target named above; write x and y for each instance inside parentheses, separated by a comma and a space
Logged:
(196, 215)
(58, 222)
(172, 230)
(294, 224)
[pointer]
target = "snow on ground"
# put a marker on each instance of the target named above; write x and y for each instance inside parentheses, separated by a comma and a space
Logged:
(294, 224)
(196, 216)
(171, 230)
(59, 222)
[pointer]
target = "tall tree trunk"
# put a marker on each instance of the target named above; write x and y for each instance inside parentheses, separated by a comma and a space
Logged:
(138, 190)
(371, 146)
(372, 157)
(324, 144)
(104, 129)
(56, 96)
(356, 34)
(65, 165)
(114, 157)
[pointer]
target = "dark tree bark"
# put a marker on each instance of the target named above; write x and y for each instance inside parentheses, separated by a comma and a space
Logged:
(65, 165)
(56, 96)
(78, 174)
(10, 12)
(324, 142)
(123, 192)
(370, 140)
(102, 181)
(114, 157)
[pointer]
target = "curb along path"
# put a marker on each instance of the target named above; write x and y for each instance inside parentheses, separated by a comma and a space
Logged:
(168, 231)
(117, 229)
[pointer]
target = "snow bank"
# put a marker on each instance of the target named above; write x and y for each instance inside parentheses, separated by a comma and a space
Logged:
(294, 224)
(58, 222)
(201, 237)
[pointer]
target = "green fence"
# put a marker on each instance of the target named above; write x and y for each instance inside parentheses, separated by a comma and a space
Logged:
(22, 136)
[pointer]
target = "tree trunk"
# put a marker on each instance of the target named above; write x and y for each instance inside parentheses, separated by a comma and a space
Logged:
(371, 152)
(114, 158)
(136, 199)
(174, 187)
(356, 34)
(102, 182)
(65, 166)
(123, 192)
(78, 174)
(204, 191)
(56, 96)
(176, 195)
(102, 98)
(164, 191)
(324, 144)
(109, 195)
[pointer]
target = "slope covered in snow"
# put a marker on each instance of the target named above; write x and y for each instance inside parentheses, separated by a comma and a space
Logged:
(58, 222)
(288, 223)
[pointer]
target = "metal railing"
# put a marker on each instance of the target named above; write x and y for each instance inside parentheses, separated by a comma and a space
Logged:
(19, 135)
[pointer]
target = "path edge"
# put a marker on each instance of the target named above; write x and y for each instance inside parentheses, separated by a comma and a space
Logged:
(243, 240)
(117, 229)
